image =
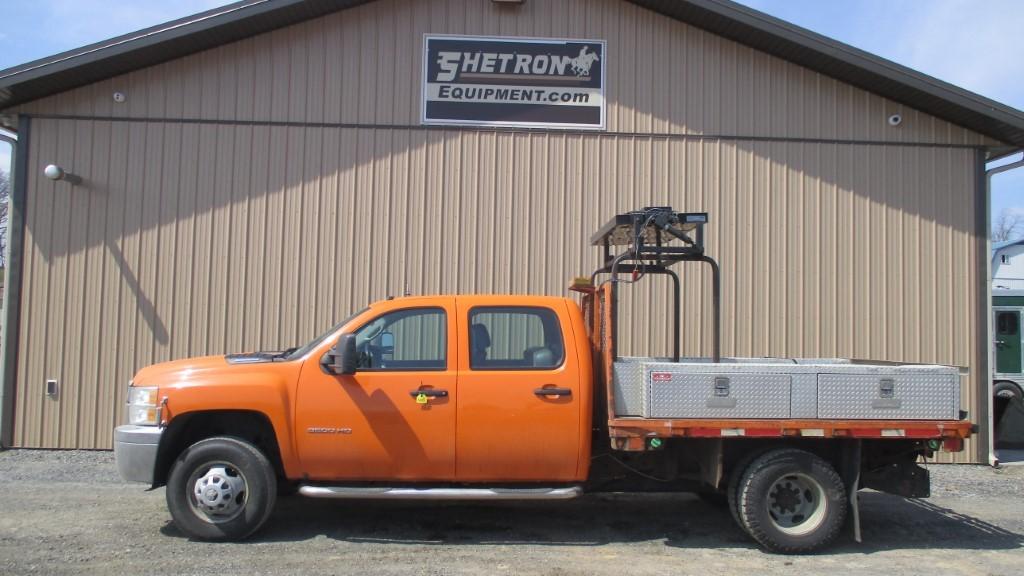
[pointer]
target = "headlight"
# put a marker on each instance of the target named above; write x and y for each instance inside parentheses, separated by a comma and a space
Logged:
(143, 408)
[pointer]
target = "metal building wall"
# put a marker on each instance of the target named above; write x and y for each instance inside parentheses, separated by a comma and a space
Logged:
(249, 196)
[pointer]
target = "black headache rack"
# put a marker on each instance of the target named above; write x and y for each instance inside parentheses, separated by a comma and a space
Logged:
(655, 238)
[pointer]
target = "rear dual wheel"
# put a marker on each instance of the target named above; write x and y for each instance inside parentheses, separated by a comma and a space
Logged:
(789, 500)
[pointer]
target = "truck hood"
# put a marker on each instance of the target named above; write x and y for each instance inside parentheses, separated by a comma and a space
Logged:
(201, 370)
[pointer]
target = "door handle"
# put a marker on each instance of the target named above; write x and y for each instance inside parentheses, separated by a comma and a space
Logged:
(429, 393)
(556, 392)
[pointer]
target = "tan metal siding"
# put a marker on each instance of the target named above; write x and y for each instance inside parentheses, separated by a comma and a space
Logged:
(826, 250)
(664, 76)
(199, 238)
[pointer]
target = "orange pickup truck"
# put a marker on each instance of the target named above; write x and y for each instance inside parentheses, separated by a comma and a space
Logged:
(524, 397)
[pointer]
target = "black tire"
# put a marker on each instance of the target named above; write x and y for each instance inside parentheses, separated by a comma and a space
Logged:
(240, 483)
(1006, 389)
(732, 489)
(791, 501)
(1004, 395)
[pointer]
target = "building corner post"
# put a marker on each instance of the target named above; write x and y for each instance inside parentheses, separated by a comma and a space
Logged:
(12, 284)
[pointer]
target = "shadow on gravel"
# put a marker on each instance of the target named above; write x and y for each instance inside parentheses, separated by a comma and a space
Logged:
(589, 521)
(889, 523)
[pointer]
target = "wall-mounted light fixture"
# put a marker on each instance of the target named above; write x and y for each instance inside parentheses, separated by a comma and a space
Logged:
(56, 173)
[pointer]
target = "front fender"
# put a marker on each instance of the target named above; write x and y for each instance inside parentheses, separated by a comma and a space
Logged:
(269, 394)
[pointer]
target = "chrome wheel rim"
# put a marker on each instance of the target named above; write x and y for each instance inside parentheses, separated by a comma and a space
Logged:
(796, 504)
(218, 492)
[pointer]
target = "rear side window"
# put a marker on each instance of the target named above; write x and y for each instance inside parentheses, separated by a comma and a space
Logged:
(514, 338)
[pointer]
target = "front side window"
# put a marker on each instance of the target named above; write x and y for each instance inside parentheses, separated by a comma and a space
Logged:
(514, 338)
(413, 339)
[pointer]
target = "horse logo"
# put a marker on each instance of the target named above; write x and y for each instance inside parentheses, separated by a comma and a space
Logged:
(582, 63)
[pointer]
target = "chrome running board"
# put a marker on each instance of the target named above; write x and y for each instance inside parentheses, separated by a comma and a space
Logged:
(440, 493)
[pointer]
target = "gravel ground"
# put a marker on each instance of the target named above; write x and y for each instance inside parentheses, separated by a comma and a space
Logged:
(68, 513)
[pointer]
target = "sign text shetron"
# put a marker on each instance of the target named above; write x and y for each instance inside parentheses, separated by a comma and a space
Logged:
(526, 82)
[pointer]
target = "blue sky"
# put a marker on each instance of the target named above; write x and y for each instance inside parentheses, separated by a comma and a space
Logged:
(971, 43)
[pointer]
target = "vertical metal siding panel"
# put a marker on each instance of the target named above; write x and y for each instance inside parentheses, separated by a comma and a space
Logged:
(56, 256)
(92, 432)
(150, 328)
(76, 393)
(110, 409)
(403, 54)
(309, 215)
(487, 212)
(28, 398)
(184, 241)
(346, 205)
(200, 262)
(256, 225)
(405, 190)
(468, 224)
(242, 190)
(218, 188)
(163, 264)
(910, 304)
(126, 251)
(314, 83)
(362, 257)
(291, 245)
(237, 194)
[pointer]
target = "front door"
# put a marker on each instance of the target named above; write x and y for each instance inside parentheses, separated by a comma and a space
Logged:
(394, 419)
(519, 394)
(1008, 349)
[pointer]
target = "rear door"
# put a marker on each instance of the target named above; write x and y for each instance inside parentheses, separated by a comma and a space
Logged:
(519, 392)
(1008, 348)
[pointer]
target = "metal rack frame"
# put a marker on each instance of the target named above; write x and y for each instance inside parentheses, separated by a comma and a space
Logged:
(663, 225)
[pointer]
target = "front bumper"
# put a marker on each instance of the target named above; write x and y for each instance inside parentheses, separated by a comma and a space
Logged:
(135, 451)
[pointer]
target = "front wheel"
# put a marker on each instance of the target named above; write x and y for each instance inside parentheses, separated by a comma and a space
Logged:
(791, 501)
(221, 489)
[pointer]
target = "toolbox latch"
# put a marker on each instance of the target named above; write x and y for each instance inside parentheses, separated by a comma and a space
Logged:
(721, 398)
(886, 396)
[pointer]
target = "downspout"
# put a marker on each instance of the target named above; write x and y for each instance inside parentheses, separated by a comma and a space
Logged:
(7, 387)
(993, 460)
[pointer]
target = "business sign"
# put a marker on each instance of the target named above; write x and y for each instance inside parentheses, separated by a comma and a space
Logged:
(494, 81)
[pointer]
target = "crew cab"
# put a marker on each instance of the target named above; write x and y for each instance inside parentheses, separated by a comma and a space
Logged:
(497, 397)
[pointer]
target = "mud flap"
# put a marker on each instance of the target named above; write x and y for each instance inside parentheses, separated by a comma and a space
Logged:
(849, 470)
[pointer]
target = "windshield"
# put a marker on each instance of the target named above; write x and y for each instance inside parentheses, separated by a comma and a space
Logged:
(302, 351)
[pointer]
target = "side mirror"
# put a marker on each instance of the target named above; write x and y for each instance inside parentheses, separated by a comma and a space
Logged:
(343, 358)
(387, 343)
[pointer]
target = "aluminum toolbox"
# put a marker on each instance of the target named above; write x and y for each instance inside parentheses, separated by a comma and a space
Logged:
(889, 396)
(628, 382)
(678, 394)
(748, 388)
